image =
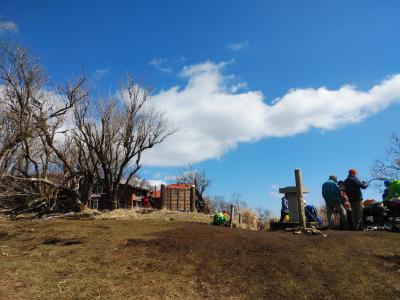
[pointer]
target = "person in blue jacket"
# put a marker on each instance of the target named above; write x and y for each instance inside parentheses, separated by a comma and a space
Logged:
(311, 214)
(333, 201)
(284, 209)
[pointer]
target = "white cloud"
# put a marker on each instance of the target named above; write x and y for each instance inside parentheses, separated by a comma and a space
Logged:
(274, 192)
(161, 65)
(100, 73)
(236, 87)
(157, 175)
(213, 117)
(238, 46)
(180, 59)
(8, 26)
(155, 182)
(302, 109)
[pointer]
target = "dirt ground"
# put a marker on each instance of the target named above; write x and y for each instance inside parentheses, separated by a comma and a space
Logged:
(170, 258)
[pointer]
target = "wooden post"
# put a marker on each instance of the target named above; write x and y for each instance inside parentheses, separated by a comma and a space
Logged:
(163, 196)
(300, 199)
(184, 200)
(177, 200)
(231, 219)
(240, 218)
(192, 198)
(168, 199)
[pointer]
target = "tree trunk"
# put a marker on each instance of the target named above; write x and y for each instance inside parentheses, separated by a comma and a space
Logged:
(86, 188)
(114, 200)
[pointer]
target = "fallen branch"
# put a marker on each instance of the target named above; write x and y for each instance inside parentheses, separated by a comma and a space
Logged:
(58, 216)
(59, 287)
(4, 252)
(38, 180)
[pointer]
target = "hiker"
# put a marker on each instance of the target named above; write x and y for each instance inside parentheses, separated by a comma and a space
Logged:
(333, 200)
(311, 214)
(345, 202)
(386, 191)
(284, 210)
(353, 188)
(145, 203)
(393, 190)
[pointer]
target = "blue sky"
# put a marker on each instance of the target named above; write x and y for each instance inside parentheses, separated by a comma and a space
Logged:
(253, 72)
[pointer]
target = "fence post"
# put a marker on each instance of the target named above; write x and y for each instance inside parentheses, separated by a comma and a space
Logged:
(192, 198)
(163, 197)
(300, 199)
(231, 219)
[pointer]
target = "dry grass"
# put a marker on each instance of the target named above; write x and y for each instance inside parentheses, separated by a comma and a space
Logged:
(163, 215)
(249, 220)
(160, 257)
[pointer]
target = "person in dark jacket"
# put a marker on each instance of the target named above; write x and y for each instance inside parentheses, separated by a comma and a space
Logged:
(333, 202)
(386, 191)
(353, 188)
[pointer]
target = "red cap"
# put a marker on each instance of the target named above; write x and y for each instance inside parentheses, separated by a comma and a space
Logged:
(352, 172)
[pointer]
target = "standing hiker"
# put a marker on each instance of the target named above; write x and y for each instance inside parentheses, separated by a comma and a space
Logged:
(353, 188)
(333, 201)
(145, 204)
(386, 191)
(284, 209)
(345, 202)
(393, 190)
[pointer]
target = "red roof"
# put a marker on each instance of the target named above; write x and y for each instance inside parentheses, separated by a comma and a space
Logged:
(179, 186)
(155, 194)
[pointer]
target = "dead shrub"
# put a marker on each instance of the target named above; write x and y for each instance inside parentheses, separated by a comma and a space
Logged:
(249, 219)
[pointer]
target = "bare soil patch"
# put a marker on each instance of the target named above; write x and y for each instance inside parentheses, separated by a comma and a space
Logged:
(166, 258)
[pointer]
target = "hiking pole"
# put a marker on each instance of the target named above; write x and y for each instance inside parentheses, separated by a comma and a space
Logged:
(377, 178)
(312, 216)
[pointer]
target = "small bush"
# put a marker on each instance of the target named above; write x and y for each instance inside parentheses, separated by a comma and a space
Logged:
(249, 219)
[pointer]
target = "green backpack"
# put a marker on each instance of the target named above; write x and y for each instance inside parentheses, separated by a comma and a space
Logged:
(219, 219)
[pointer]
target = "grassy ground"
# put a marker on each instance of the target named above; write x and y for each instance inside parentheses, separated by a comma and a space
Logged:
(167, 257)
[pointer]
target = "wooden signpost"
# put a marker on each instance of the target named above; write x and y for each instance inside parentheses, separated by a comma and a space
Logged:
(192, 198)
(163, 197)
(231, 218)
(300, 199)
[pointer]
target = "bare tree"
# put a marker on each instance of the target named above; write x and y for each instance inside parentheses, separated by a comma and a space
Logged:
(389, 165)
(197, 178)
(117, 131)
(236, 200)
(217, 204)
(56, 143)
(9, 139)
(34, 117)
(137, 181)
(263, 213)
